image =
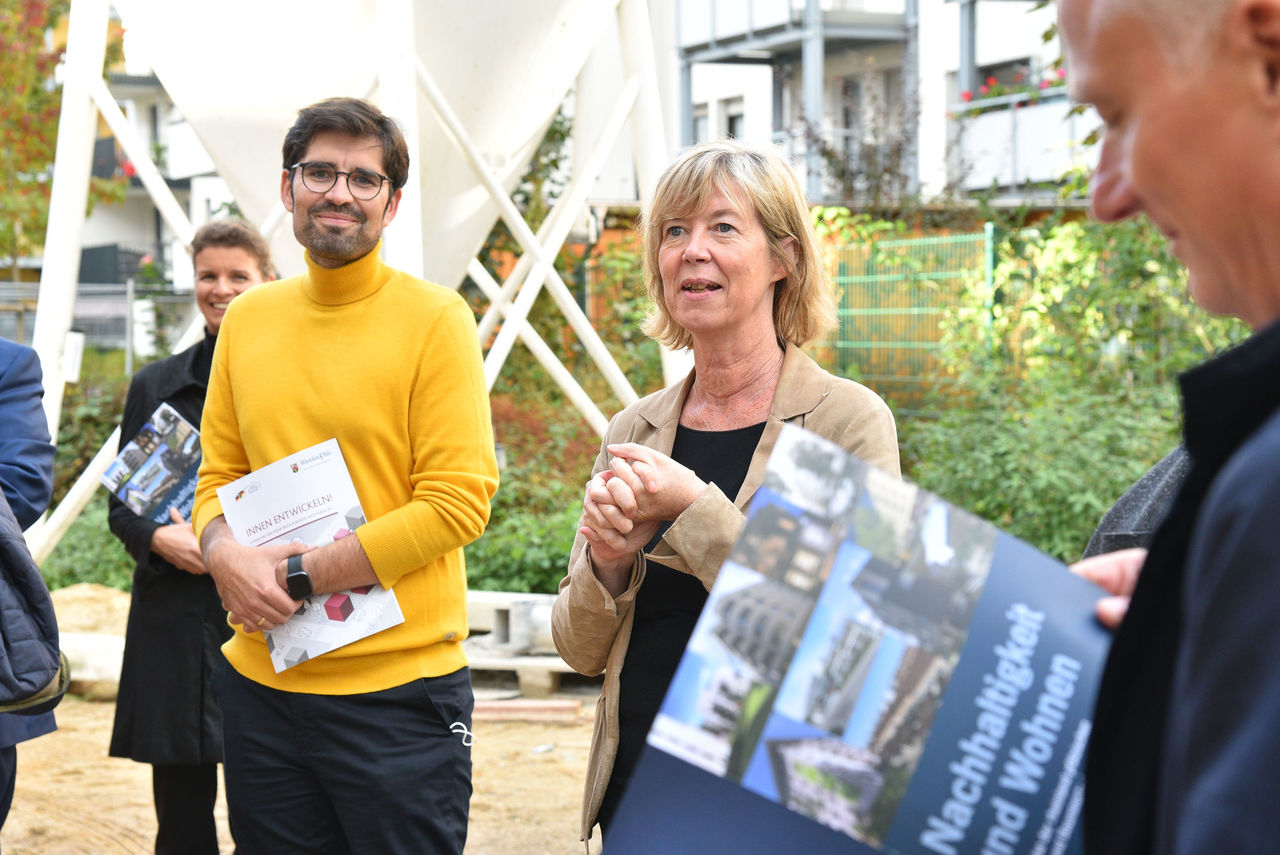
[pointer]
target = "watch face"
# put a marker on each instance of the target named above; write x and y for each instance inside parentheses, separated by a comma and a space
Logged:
(299, 585)
(297, 581)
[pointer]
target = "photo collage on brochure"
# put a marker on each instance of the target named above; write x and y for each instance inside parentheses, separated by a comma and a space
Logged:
(163, 454)
(814, 673)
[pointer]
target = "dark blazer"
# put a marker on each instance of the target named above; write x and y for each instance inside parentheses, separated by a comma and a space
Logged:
(165, 713)
(1185, 746)
(26, 477)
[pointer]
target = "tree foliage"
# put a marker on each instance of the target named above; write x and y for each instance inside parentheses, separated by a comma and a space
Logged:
(30, 101)
(548, 446)
(1059, 375)
(91, 410)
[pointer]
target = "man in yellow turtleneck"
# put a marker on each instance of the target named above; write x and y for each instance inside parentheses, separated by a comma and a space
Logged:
(366, 748)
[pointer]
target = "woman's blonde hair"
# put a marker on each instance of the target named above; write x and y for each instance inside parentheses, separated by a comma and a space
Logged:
(803, 305)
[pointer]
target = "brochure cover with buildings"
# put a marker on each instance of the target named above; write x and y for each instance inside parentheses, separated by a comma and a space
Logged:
(875, 670)
(308, 497)
(156, 471)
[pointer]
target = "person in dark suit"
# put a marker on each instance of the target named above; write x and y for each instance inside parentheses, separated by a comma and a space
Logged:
(1184, 748)
(26, 479)
(165, 713)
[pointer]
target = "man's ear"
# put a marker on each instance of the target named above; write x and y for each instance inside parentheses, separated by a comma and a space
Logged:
(286, 190)
(393, 205)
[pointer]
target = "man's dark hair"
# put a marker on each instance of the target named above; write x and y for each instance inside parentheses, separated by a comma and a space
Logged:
(352, 117)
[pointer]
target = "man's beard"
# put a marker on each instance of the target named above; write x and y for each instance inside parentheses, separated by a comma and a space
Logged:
(344, 245)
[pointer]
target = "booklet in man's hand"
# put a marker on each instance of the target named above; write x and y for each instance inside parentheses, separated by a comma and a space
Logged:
(156, 471)
(308, 497)
(875, 670)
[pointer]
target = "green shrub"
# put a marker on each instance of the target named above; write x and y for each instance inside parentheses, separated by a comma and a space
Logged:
(523, 552)
(1046, 473)
(89, 552)
(1060, 372)
(526, 546)
(91, 410)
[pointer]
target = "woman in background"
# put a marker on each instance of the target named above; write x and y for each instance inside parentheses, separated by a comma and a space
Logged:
(165, 713)
(732, 270)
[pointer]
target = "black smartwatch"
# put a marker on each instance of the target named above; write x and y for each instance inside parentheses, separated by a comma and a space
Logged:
(296, 580)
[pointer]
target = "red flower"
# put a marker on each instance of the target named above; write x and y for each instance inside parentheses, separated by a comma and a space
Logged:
(1044, 84)
(1062, 74)
(991, 81)
(966, 95)
(128, 169)
(982, 90)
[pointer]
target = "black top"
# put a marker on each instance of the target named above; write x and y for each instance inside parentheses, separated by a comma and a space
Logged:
(669, 602)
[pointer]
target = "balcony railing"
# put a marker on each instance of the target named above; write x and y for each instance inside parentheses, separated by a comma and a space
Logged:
(710, 21)
(1015, 140)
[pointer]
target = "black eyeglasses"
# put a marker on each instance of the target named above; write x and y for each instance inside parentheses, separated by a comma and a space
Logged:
(319, 177)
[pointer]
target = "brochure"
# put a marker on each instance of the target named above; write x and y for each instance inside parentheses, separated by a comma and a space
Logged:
(875, 670)
(156, 471)
(308, 497)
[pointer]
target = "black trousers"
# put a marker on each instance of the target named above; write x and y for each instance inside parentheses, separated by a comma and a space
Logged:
(185, 796)
(384, 772)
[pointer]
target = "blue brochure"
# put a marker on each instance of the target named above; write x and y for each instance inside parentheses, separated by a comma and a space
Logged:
(156, 471)
(875, 670)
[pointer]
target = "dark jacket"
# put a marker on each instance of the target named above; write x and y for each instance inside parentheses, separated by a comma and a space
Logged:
(165, 713)
(26, 478)
(1133, 519)
(1185, 745)
(31, 665)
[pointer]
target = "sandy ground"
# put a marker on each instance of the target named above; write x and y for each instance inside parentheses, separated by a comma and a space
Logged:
(72, 799)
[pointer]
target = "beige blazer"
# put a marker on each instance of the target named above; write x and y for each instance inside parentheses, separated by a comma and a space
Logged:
(591, 629)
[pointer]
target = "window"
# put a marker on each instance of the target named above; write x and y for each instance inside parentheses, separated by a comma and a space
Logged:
(734, 126)
(734, 121)
(701, 127)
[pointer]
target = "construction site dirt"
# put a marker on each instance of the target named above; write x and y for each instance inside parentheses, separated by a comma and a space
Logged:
(529, 759)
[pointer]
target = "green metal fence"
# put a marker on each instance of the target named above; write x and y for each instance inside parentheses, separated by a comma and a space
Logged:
(892, 295)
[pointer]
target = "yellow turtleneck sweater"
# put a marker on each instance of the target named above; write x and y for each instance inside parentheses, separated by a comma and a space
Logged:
(390, 365)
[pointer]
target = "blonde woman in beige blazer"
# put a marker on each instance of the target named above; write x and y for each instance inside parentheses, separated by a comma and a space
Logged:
(733, 272)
